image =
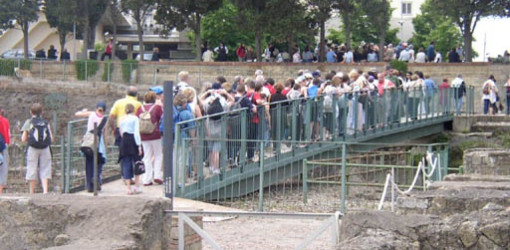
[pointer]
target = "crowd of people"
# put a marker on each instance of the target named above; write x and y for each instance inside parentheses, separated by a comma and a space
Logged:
(355, 101)
(366, 52)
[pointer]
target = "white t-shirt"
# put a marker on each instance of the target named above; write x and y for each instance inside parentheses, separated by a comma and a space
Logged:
(348, 57)
(420, 57)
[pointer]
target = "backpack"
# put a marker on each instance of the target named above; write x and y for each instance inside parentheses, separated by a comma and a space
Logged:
(215, 108)
(39, 133)
(146, 124)
(235, 109)
(176, 118)
(485, 90)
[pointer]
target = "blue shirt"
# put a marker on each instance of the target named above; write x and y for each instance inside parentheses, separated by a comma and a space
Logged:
(312, 91)
(330, 56)
(430, 86)
(431, 52)
(185, 114)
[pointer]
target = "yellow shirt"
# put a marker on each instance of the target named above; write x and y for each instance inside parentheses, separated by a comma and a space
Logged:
(119, 107)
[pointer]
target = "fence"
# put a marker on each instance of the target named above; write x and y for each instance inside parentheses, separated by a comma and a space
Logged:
(334, 176)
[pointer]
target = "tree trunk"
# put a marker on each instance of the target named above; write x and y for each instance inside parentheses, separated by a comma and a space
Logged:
(25, 39)
(347, 29)
(62, 40)
(258, 44)
(198, 37)
(322, 52)
(468, 39)
(85, 16)
(139, 30)
(92, 37)
(382, 39)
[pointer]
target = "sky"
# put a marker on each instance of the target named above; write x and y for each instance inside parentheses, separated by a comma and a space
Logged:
(496, 33)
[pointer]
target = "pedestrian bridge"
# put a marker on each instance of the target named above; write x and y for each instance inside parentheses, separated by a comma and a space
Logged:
(293, 131)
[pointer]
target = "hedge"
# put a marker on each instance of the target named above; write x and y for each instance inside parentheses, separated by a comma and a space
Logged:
(90, 67)
(7, 66)
(127, 67)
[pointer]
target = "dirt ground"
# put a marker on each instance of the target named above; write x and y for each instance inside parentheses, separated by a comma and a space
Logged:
(243, 232)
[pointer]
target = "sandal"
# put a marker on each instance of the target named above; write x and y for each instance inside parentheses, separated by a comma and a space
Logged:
(130, 192)
(136, 190)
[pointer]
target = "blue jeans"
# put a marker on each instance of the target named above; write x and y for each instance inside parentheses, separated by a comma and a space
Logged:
(459, 105)
(89, 171)
(507, 104)
(486, 105)
(127, 163)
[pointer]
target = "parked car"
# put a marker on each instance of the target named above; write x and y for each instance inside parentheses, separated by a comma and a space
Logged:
(17, 53)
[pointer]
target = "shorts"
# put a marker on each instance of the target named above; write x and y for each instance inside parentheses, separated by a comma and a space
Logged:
(38, 163)
(4, 168)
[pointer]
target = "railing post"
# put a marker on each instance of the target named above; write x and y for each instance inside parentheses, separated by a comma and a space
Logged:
(305, 181)
(261, 177)
(335, 124)
(295, 110)
(344, 177)
(308, 134)
(86, 70)
(355, 113)
(278, 128)
(62, 163)
(392, 189)
(244, 137)
(95, 171)
(40, 69)
(69, 152)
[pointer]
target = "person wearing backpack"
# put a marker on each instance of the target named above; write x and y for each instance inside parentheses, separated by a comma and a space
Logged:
(489, 92)
(37, 133)
(149, 115)
(98, 117)
(5, 139)
(183, 114)
(214, 102)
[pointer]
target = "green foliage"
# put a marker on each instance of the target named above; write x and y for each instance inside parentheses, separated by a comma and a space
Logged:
(108, 70)
(399, 65)
(456, 156)
(86, 68)
(7, 66)
(127, 67)
(441, 138)
(181, 14)
(431, 26)
(61, 15)
(100, 47)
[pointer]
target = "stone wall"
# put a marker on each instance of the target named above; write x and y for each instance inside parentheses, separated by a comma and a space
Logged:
(86, 222)
(487, 161)
(156, 73)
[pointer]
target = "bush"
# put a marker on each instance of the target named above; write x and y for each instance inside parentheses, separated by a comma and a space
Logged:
(108, 70)
(399, 65)
(88, 67)
(127, 67)
(7, 66)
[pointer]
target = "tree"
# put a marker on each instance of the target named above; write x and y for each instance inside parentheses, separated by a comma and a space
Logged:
(378, 13)
(18, 14)
(321, 12)
(181, 14)
(91, 11)
(138, 10)
(221, 26)
(347, 9)
(253, 15)
(430, 26)
(61, 15)
(467, 13)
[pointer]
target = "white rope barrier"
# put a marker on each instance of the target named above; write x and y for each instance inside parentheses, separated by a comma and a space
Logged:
(436, 163)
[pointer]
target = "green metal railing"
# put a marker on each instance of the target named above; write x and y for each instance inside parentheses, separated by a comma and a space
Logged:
(243, 150)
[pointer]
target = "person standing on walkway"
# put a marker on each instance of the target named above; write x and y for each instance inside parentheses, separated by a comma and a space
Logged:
(130, 154)
(119, 111)
(222, 52)
(459, 91)
(37, 133)
(507, 86)
(241, 52)
(489, 93)
(5, 140)
(99, 118)
(108, 50)
(151, 141)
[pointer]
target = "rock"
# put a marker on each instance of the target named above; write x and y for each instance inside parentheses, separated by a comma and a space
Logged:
(62, 239)
(493, 207)
(467, 233)
(498, 233)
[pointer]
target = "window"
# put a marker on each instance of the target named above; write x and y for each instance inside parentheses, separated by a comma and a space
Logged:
(406, 8)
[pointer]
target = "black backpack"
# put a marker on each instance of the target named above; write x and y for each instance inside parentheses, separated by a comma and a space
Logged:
(215, 108)
(39, 133)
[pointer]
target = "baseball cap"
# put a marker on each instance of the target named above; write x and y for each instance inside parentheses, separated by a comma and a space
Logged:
(157, 89)
(102, 105)
(371, 78)
(316, 73)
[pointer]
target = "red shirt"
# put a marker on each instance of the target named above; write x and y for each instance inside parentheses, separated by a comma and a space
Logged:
(156, 114)
(5, 129)
(381, 86)
(270, 88)
(254, 99)
(285, 91)
(241, 51)
(444, 85)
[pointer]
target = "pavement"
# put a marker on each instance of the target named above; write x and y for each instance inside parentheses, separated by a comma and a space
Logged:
(117, 188)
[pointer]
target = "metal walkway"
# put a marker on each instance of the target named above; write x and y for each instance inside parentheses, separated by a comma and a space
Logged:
(292, 131)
